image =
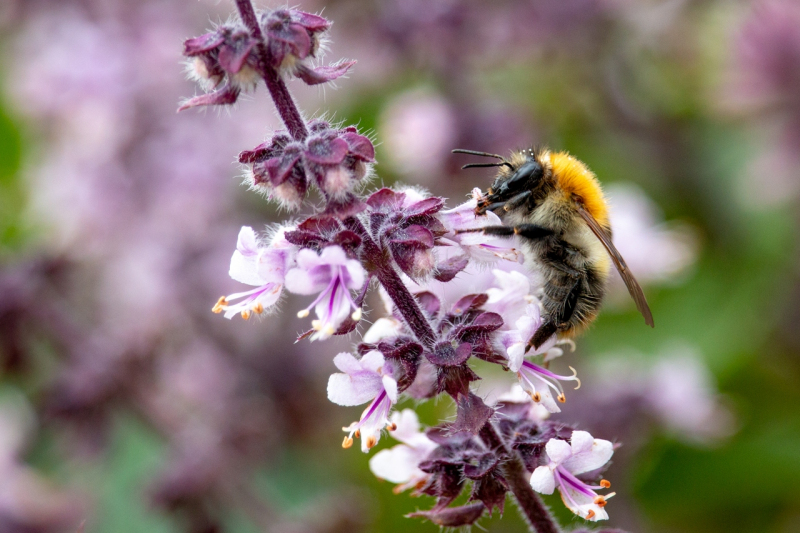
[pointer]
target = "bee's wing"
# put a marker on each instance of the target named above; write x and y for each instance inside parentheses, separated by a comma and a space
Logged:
(622, 267)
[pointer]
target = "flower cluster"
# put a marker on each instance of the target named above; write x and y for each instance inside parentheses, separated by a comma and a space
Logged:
(233, 57)
(451, 297)
(335, 160)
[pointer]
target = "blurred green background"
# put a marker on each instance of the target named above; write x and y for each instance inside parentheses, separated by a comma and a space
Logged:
(127, 405)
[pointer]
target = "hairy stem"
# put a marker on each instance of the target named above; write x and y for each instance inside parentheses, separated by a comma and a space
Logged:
(536, 514)
(379, 263)
(277, 87)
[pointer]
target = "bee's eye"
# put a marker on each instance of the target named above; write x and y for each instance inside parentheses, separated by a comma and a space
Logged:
(526, 177)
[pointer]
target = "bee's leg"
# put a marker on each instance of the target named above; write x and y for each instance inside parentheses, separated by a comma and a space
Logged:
(517, 201)
(487, 204)
(553, 324)
(527, 231)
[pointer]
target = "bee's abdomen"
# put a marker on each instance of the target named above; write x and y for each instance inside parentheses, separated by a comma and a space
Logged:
(573, 287)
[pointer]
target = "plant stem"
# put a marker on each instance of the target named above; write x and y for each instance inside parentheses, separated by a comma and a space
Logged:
(534, 511)
(277, 87)
(378, 262)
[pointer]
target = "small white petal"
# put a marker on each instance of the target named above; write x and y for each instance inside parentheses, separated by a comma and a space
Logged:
(398, 464)
(333, 255)
(347, 390)
(580, 442)
(558, 450)
(390, 386)
(382, 328)
(543, 480)
(372, 361)
(247, 243)
(598, 455)
(356, 273)
(244, 269)
(347, 363)
(299, 281)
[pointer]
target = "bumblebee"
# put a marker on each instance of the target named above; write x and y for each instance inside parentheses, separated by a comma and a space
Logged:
(555, 204)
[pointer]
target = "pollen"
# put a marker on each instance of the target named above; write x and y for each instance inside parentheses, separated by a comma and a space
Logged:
(562, 398)
(606, 484)
(303, 313)
(246, 314)
(221, 304)
(371, 442)
(600, 501)
(347, 442)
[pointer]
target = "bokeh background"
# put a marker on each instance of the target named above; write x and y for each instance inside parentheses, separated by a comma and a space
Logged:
(126, 404)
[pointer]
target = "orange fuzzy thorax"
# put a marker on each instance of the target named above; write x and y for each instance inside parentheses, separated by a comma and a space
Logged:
(575, 179)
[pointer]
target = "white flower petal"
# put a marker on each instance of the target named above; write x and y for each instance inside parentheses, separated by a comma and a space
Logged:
(390, 386)
(592, 459)
(580, 442)
(347, 390)
(347, 363)
(407, 424)
(356, 273)
(382, 328)
(543, 480)
(516, 355)
(581, 504)
(299, 281)
(333, 255)
(372, 361)
(558, 450)
(398, 464)
(247, 243)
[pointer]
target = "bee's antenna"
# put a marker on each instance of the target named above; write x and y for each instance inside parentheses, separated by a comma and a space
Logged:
(483, 154)
(473, 152)
(476, 165)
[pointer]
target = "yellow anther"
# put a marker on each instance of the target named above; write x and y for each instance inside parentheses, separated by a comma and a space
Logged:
(600, 501)
(562, 398)
(220, 306)
(316, 324)
(536, 397)
(391, 426)
(303, 313)
(329, 330)
(258, 308)
(347, 442)
(246, 314)
(357, 434)
(356, 315)
(606, 484)
(590, 514)
(371, 442)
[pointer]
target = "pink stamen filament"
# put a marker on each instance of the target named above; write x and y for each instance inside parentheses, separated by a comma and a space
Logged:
(331, 292)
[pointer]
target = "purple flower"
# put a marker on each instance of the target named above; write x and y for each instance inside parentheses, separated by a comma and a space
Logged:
(335, 159)
(565, 461)
(332, 275)
(401, 463)
(477, 246)
(265, 268)
(510, 297)
(370, 378)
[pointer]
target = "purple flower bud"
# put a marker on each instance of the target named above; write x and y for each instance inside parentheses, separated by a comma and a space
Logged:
(226, 54)
(335, 159)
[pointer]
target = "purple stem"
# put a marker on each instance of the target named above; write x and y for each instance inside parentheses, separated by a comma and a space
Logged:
(379, 263)
(277, 88)
(535, 512)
